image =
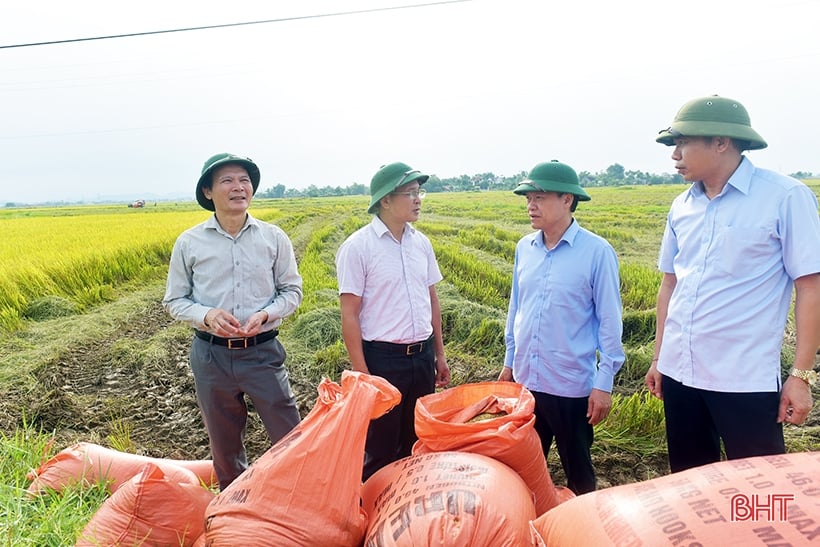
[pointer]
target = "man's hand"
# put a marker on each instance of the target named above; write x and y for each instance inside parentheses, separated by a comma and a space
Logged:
(506, 375)
(442, 371)
(795, 401)
(653, 381)
(254, 323)
(223, 324)
(600, 402)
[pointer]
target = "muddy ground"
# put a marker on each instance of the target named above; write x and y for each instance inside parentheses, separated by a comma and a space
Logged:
(99, 393)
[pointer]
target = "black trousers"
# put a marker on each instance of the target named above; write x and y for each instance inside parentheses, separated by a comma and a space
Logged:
(697, 420)
(565, 420)
(392, 436)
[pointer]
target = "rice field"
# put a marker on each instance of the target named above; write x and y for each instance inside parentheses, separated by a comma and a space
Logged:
(66, 260)
(81, 254)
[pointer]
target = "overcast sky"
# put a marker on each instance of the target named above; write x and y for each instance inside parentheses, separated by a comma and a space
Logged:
(459, 88)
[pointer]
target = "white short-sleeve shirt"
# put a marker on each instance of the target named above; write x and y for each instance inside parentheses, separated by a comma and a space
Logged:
(393, 278)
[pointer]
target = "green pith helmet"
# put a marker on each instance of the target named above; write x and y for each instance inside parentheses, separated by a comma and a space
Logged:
(712, 116)
(219, 160)
(552, 176)
(388, 178)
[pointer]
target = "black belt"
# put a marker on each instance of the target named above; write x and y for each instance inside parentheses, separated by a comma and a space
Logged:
(403, 349)
(237, 343)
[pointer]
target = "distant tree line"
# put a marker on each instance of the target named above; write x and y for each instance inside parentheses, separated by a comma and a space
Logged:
(614, 175)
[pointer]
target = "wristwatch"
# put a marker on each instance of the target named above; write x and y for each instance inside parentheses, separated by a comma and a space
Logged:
(808, 376)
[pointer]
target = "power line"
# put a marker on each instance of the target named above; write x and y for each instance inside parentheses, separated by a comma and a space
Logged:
(168, 31)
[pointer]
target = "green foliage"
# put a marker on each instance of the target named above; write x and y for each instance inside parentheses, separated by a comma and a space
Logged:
(639, 327)
(487, 339)
(10, 319)
(635, 424)
(460, 317)
(467, 367)
(129, 354)
(120, 437)
(476, 280)
(50, 519)
(49, 307)
(437, 228)
(319, 328)
(490, 239)
(316, 266)
(93, 295)
(633, 372)
(614, 175)
(353, 223)
(330, 362)
(639, 286)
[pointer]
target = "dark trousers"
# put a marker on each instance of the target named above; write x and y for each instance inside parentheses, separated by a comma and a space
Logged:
(223, 377)
(697, 420)
(565, 420)
(391, 437)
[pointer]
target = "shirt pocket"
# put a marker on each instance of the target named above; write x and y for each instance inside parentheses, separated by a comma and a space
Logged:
(571, 292)
(745, 250)
(262, 282)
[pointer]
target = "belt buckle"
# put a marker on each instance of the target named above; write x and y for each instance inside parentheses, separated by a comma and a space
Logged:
(237, 343)
(411, 346)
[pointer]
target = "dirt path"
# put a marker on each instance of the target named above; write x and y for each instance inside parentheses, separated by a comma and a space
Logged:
(133, 388)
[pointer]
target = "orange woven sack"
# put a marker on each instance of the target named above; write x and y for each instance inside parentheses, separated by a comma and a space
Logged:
(447, 498)
(91, 463)
(766, 500)
(149, 509)
(447, 421)
(306, 489)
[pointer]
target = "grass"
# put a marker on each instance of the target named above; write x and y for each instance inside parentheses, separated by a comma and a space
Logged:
(51, 519)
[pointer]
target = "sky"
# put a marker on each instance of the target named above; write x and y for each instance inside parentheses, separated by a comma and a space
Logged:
(449, 88)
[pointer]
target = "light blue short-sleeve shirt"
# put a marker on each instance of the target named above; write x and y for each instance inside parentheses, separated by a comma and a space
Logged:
(735, 258)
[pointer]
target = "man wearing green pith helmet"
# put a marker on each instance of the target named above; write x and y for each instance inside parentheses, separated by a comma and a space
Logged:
(736, 244)
(391, 316)
(564, 327)
(234, 279)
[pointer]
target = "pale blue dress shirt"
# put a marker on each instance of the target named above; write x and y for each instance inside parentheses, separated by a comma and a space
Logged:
(254, 271)
(735, 258)
(564, 323)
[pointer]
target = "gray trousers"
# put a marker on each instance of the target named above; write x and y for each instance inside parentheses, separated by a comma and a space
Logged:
(223, 377)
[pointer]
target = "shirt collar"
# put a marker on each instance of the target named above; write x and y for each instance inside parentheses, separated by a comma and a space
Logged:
(213, 224)
(569, 235)
(380, 228)
(740, 180)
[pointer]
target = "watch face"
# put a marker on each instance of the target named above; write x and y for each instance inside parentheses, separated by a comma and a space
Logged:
(810, 376)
